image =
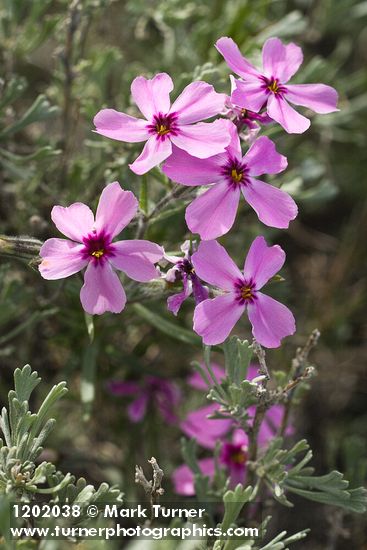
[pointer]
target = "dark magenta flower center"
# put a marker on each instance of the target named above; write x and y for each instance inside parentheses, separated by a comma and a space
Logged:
(234, 454)
(163, 125)
(97, 246)
(272, 85)
(245, 292)
(235, 172)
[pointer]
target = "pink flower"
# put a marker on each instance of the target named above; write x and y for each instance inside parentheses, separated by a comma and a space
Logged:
(184, 271)
(269, 87)
(165, 124)
(229, 174)
(91, 246)
(153, 392)
(214, 319)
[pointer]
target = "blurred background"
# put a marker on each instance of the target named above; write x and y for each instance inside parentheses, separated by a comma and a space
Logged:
(60, 63)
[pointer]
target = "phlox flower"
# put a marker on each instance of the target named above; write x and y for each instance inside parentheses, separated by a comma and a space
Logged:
(229, 174)
(183, 270)
(152, 393)
(167, 124)
(208, 431)
(269, 87)
(91, 245)
(214, 318)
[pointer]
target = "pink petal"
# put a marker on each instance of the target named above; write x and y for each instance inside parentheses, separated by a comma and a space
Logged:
(155, 151)
(213, 264)
(188, 170)
(116, 125)
(234, 146)
(205, 430)
(273, 206)
(281, 61)
(116, 208)
(61, 258)
(318, 97)
(183, 477)
(271, 321)
(137, 409)
(74, 221)
(175, 302)
(234, 59)
(292, 122)
(214, 319)
(212, 214)
(102, 290)
(249, 95)
(196, 102)
(136, 258)
(123, 388)
(152, 95)
(263, 158)
(203, 139)
(262, 262)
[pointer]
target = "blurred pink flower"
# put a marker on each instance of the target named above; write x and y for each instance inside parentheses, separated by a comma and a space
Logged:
(269, 87)
(214, 318)
(91, 246)
(153, 391)
(229, 174)
(165, 124)
(208, 431)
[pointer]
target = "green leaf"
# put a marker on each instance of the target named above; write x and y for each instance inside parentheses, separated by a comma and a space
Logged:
(167, 327)
(38, 111)
(24, 382)
(88, 379)
(233, 504)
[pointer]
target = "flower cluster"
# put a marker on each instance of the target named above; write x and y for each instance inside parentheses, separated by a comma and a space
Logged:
(197, 154)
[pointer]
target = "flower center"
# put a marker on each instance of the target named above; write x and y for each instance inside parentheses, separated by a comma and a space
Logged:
(236, 175)
(239, 456)
(97, 246)
(163, 125)
(273, 86)
(246, 293)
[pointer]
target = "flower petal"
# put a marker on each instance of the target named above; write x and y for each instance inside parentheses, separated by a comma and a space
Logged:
(205, 430)
(318, 97)
(74, 221)
(212, 214)
(102, 290)
(123, 388)
(196, 102)
(61, 258)
(214, 319)
(250, 95)
(183, 477)
(273, 206)
(155, 151)
(116, 125)
(271, 321)
(263, 158)
(175, 302)
(234, 58)
(292, 122)
(262, 262)
(136, 258)
(188, 170)
(137, 409)
(213, 264)
(203, 139)
(116, 208)
(152, 95)
(281, 61)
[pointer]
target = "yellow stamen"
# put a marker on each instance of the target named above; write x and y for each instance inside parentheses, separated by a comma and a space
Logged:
(98, 253)
(243, 113)
(162, 129)
(236, 176)
(246, 293)
(273, 87)
(239, 457)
